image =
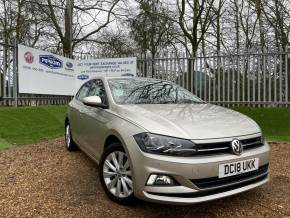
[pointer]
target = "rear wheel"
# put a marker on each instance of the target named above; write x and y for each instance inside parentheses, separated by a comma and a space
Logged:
(69, 143)
(116, 175)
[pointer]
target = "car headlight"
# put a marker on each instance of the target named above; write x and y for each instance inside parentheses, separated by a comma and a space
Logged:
(165, 145)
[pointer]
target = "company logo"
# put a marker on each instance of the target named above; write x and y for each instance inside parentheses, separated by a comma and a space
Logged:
(69, 65)
(237, 147)
(29, 58)
(50, 61)
(82, 77)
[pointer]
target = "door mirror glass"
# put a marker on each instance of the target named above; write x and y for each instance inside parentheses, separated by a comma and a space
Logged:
(95, 101)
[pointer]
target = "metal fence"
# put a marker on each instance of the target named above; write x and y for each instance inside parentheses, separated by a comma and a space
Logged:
(7, 70)
(251, 79)
(241, 79)
(9, 95)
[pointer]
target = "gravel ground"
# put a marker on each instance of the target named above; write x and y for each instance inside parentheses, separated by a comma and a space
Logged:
(44, 180)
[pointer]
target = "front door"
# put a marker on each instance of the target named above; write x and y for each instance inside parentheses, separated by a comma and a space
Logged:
(94, 120)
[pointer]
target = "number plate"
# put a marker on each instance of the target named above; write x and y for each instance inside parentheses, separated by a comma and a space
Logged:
(239, 167)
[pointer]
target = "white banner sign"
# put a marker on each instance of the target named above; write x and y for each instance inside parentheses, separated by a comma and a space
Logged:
(42, 72)
(87, 69)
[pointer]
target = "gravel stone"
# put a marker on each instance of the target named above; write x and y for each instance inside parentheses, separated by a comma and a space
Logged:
(44, 180)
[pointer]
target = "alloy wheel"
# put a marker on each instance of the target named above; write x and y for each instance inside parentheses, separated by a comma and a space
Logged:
(117, 174)
(67, 136)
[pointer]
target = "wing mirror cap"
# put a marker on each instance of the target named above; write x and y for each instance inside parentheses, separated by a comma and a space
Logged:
(94, 101)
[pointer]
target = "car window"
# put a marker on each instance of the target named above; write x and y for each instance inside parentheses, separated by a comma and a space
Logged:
(148, 91)
(97, 89)
(82, 93)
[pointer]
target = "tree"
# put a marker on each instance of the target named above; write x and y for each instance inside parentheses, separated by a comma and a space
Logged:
(248, 24)
(150, 27)
(216, 23)
(277, 14)
(259, 11)
(116, 43)
(19, 20)
(70, 32)
(194, 20)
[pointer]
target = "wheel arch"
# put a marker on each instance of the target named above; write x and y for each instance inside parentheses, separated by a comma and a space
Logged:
(66, 121)
(110, 140)
(113, 137)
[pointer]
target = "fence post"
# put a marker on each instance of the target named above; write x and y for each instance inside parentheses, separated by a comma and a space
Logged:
(287, 77)
(15, 72)
(4, 70)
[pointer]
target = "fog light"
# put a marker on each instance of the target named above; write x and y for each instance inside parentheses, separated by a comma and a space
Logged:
(161, 180)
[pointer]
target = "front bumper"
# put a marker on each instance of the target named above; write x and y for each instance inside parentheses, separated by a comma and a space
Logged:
(185, 170)
(187, 199)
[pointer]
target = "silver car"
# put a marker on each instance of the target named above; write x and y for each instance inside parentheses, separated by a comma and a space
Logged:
(156, 141)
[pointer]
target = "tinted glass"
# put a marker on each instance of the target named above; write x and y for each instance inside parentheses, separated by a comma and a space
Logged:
(82, 93)
(97, 89)
(149, 91)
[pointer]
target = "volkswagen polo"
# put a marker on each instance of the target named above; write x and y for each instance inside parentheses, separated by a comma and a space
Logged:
(156, 141)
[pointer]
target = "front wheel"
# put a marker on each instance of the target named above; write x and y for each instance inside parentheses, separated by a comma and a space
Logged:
(69, 143)
(115, 174)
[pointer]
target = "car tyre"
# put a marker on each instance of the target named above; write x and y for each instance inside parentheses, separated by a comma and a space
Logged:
(69, 143)
(116, 175)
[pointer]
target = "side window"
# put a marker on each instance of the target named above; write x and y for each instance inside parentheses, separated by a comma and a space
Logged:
(97, 89)
(82, 93)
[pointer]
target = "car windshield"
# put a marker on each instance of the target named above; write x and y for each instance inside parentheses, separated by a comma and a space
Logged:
(149, 91)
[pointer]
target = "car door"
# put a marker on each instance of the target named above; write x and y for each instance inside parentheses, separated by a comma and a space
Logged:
(94, 120)
(76, 113)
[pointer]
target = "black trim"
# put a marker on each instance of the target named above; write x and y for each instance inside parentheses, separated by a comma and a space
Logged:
(225, 147)
(213, 182)
(212, 191)
(104, 106)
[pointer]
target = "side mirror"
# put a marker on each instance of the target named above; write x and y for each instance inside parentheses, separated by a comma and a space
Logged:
(94, 101)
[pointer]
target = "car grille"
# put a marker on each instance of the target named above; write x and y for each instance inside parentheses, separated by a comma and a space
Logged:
(225, 147)
(215, 182)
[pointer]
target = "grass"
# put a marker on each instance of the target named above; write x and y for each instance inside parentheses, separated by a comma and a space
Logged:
(27, 125)
(274, 122)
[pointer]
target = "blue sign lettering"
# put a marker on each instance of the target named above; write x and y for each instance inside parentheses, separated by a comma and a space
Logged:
(50, 61)
(82, 77)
